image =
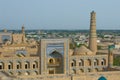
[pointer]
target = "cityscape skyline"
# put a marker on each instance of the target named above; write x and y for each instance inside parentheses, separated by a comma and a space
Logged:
(63, 56)
(68, 14)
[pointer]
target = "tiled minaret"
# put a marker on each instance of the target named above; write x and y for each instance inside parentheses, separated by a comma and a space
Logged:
(92, 35)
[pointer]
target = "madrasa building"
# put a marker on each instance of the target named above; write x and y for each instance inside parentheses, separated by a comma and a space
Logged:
(52, 59)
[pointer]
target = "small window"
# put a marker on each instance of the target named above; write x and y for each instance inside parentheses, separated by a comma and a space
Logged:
(10, 65)
(81, 70)
(51, 61)
(51, 71)
(96, 62)
(81, 63)
(72, 64)
(103, 62)
(1, 65)
(18, 73)
(18, 65)
(27, 65)
(74, 71)
(27, 73)
(89, 70)
(35, 64)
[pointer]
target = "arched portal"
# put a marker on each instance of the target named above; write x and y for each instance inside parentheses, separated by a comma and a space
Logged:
(102, 78)
(55, 63)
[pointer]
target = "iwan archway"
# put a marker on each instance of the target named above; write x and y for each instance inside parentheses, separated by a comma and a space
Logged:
(102, 78)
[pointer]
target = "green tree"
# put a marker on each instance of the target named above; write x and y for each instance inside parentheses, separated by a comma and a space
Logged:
(116, 61)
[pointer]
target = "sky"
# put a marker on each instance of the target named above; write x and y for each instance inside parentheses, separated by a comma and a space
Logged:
(58, 14)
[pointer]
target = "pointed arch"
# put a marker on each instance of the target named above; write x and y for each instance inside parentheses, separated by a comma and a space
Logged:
(55, 54)
(96, 69)
(74, 71)
(35, 73)
(81, 71)
(89, 62)
(27, 73)
(81, 62)
(96, 62)
(10, 65)
(18, 65)
(35, 64)
(102, 78)
(103, 62)
(73, 63)
(27, 65)
(1, 65)
(18, 73)
(88, 70)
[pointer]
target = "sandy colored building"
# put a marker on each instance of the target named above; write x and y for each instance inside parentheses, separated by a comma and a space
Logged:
(52, 59)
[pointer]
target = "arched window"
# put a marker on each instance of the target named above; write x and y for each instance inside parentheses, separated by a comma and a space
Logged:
(103, 62)
(81, 70)
(27, 65)
(81, 62)
(96, 62)
(35, 73)
(1, 65)
(89, 62)
(18, 73)
(51, 61)
(10, 65)
(35, 64)
(96, 69)
(73, 63)
(88, 70)
(74, 71)
(10, 73)
(18, 65)
(27, 73)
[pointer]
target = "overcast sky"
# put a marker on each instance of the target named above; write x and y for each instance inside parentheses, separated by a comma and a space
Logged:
(58, 14)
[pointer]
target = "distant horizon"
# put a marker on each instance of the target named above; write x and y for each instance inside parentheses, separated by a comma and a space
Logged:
(60, 29)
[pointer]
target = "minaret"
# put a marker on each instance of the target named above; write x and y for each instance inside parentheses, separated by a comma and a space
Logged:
(5, 30)
(110, 58)
(23, 29)
(92, 35)
(23, 33)
(110, 55)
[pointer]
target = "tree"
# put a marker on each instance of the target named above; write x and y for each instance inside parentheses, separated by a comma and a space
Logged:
(116, 61)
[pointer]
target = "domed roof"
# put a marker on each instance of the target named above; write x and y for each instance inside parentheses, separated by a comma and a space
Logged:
(82, 51)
